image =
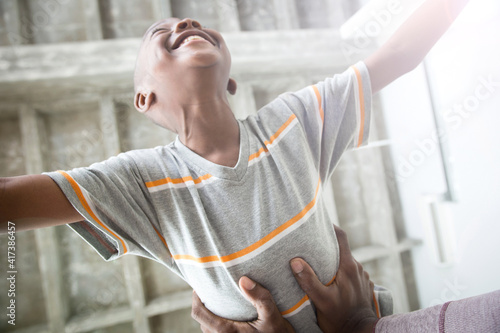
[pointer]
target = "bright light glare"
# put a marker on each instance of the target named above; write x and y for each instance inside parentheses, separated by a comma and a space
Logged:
(479, 11)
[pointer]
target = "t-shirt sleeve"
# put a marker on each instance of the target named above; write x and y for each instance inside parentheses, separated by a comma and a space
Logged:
(119, 216)
(335, 115)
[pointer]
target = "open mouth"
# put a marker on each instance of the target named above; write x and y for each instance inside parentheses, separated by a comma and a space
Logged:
(190, 36)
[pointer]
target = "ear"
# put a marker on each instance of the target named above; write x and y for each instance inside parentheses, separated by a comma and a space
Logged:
(143, 101)
(231, 86)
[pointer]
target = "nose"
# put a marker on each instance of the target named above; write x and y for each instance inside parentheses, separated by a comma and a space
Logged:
(187, 23)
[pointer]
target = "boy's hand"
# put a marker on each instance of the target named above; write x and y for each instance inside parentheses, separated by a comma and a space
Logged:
(269, 318)
(344, 306)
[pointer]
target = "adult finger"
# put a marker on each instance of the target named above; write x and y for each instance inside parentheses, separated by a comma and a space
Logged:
(343, 241)
(206, 318)
(260, 298)
(269, 317)
(348, 266)
(309, 282)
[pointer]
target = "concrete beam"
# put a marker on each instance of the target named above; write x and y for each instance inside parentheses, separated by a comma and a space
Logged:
(228, 17)
(135, 291)
(111, 57)
(169, 303)
(93, 25)
(46, 239)
(162, 9)
(109, 125)
(33, 73)
(286, 15)
(10, 11)
(104, 318)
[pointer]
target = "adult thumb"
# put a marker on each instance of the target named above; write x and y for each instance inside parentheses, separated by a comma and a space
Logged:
(309, 282)
(260, 298)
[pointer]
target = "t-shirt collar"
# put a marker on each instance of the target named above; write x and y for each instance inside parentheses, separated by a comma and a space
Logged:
(235, 173)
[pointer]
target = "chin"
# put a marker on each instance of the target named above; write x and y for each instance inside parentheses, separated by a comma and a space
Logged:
(204, 60)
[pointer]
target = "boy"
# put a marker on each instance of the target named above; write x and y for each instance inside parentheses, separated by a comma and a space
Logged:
(228, 198)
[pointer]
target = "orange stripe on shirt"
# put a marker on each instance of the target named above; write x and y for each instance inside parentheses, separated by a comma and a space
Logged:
(177, 180)
(162, 239)
(272, 138)
(193, 258)
(257, 244)
(318, 97)
(296, 306)
(303, 300)
(86, 206)
(331, 281)
(257, 154)
(361, 106)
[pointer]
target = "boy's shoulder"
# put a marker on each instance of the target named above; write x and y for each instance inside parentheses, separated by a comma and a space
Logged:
(147, 156)
(269, 118)
(138, 160)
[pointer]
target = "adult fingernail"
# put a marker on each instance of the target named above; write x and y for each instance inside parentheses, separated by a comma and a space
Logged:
(297, 266)
(246, 283)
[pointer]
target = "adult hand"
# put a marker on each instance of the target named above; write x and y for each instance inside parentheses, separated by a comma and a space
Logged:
(344, 306)
(269, 319)
(347, 305)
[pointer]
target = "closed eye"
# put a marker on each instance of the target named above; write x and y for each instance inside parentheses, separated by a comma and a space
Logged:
(158, 29)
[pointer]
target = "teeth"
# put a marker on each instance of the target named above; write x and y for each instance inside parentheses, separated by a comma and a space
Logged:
(190, 38)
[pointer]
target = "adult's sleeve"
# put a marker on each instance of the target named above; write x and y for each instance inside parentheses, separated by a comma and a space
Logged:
(119, 217)
(335, 114)
(475, 314)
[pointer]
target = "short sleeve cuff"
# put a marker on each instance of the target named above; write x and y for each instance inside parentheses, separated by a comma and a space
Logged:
(92, 230)
(363, 100)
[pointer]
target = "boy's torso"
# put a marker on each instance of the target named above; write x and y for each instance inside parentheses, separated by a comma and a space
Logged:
(222, 223)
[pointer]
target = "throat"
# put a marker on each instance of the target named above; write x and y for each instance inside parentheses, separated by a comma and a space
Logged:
(220, 147)
(228, 158)
(211, 131)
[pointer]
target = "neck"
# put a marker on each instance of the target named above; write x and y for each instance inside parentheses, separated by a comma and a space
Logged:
(200, 114)
(208, 128)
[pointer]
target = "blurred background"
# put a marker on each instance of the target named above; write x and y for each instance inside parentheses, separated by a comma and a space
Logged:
(420, 204)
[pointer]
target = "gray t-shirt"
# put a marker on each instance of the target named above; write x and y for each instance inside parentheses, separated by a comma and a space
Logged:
(212, 224)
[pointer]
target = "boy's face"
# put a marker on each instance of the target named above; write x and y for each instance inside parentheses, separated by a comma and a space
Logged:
(172, 47)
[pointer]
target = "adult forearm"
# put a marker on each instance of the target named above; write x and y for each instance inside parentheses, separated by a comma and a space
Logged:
(476, 314)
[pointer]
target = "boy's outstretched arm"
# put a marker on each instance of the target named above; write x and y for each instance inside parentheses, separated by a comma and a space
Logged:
(34, 202)
(412, 41)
